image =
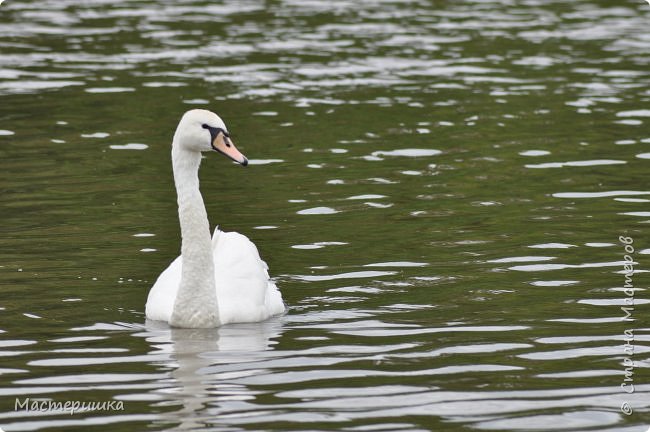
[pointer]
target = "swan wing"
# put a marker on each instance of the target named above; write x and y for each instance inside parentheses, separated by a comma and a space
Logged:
(245, 292)
(244, 289)
(162, 295)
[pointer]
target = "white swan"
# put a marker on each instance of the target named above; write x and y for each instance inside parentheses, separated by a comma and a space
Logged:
(216, 280)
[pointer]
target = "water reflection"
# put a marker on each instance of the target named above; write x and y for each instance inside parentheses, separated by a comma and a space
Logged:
(197, 381)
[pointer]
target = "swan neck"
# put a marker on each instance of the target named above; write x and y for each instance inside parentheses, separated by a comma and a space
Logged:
(196, 301)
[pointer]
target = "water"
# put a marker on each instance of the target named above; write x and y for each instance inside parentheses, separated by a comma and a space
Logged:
(438, 187)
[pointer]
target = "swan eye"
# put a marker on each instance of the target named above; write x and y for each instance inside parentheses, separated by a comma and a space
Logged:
(214, 133)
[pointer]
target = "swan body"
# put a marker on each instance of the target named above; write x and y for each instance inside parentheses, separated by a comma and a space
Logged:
(216, 280)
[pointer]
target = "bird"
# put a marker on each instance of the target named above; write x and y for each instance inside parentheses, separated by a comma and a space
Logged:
(218, 279)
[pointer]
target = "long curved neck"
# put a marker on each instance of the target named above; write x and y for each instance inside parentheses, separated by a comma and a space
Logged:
(196, 301)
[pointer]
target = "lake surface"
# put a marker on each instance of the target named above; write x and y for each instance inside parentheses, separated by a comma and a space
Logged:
(439, 189)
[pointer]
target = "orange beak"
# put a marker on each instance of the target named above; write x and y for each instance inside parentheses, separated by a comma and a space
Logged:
(224, 145)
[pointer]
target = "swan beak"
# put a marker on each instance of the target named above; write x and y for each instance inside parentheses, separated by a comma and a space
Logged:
(224, 145)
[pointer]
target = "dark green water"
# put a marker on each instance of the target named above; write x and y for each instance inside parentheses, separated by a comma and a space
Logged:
(438, 187)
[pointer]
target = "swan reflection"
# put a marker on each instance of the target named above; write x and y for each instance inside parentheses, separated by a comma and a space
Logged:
(203, 363)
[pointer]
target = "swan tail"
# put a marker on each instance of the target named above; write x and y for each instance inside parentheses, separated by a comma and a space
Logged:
(215, 237)
(273, 301)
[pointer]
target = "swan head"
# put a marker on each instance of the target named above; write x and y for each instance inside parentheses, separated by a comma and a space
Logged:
(201, 130)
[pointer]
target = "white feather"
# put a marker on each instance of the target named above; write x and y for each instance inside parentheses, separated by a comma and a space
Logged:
(244, 290)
